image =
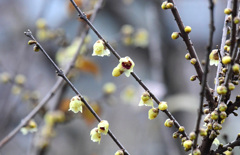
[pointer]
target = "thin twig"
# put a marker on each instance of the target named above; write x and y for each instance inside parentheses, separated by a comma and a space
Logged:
(229, 145)
(56, 86)
(224, 36)
(83, 17)
(192, 53)
(233, 30)
(61, 74)
(202, 93)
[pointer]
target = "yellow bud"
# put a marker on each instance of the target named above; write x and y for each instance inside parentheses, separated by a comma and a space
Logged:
(175, 35)
(169, 123)
(222, 107)
(152, 113)
(187, 56)
(228, 11)
(163, 106)
(196, 152)
(164, 5)
(36, 48)
(193, 61)
(169, 5)
(5, 77)
(187, 29)
(231, 86)
(236, 20)
(202, 132)
(116, 72)
(31, 42)
(145, 96)
(192, 135)
(221, 90)
(214, 115)
(181, 129)
(235, 68)
(187, 144)
(226, 59)
(119, 152)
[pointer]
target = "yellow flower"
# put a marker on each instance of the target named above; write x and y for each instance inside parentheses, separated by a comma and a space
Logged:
(152, 113)
(125, 66)
(103, 127)
(95, 136)
(30, 127)
(146, 100)
(99, 49)
(213, 56)
(76, 104)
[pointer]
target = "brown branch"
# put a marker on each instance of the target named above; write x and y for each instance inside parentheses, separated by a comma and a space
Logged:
(225, 147)
(202, 93)
(83, 17)
(192, 53)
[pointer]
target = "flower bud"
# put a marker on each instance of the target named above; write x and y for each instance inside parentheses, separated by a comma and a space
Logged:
(152, 113)
(223, 115)
(31, 127)
(36, 48)
(193, 77)
(181, 129)
(231, 86)
(214, 115)
(192, 135)
(116, 72)
(187, 29)
(228, 11)
(193, 61)
(119, 152)
(196, 152)
(221, 90)
(163, 106)
(31, 42)
(217, 126)
(175, 35)
(213, 57)
(187, 56)
(164, 5)
(236, 20)
(226, 60)
(235, 68)
(175, 135)
(169, 5)
(202, 132)
(222, 106)
(187, 144)
(169, 123)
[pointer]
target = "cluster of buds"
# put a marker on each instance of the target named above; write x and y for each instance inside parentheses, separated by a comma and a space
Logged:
(102, 128)
(165, 5)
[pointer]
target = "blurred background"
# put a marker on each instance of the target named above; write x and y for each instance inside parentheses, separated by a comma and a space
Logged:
(136, 28)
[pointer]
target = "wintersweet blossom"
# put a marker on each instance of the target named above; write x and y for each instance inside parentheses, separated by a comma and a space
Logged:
(125, 66)
(103, 127)
(213, 56)
(146, 100)
(76, 104)
(95, 135)
(99, 49)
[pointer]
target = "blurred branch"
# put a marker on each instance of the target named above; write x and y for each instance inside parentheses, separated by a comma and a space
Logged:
(192, 53)
(83, 17)
(56, 86)
(202, 93)
(61, 74)
(229, 145)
